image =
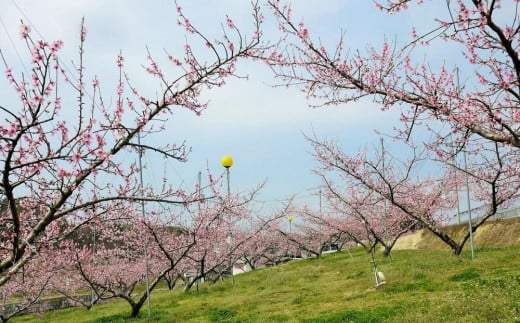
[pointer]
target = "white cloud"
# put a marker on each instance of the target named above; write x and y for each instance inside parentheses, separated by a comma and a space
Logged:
(259, 125)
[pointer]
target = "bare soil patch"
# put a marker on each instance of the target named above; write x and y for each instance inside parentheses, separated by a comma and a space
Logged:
(497, 233)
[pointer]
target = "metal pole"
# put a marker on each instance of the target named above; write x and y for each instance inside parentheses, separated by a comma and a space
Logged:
(319, 255)
(228, 188)
(454, 160)
(456, 184)
(383, 155)
(230, 238)
(200, 201)
(147, 279)
(199, 181)
(469, 207)
(467, 183)
(384, 199)
(93, 293)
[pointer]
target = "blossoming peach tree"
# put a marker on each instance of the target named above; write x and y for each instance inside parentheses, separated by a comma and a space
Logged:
(66, 155)
(478, 116)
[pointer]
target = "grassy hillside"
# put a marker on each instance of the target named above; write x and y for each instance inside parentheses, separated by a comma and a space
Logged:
(423, 286)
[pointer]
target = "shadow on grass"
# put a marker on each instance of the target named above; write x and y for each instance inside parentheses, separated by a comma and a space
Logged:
(423, 285)
(468, 274)
(374, 315)
(226, 315)
(114, 319)
(125, 318)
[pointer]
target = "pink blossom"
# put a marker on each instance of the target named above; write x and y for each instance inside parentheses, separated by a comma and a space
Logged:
(174, 60)
(120, 60)
(56, 46)
(323, 50)
(36, 80)
(57, 103)
(36, 56)
(61, 173)
(9, 75)
(414, 32)
(24, 31)
(86, 138)
(229, 22)
(83, 32)
(13, 128)
(76, 157)
(37, 100)
(42, 44)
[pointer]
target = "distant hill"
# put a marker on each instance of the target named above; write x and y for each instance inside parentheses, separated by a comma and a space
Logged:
(498, 233)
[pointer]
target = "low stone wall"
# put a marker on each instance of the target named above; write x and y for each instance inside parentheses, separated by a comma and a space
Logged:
(43, 305)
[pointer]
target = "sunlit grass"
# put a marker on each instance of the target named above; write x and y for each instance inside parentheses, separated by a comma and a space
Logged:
(422, 286)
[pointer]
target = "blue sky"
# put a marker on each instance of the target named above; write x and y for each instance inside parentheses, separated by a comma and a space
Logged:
(260, 126)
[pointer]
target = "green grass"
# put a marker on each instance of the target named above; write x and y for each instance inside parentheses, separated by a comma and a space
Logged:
(423, 286)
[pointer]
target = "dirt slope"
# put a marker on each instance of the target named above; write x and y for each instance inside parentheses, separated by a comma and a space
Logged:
(492, 234)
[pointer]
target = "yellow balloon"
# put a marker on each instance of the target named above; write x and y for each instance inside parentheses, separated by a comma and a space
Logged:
(290, 218)
(227, 161)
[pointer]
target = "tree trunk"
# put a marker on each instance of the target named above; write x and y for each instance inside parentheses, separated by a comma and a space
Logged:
(136, 307)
